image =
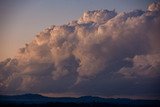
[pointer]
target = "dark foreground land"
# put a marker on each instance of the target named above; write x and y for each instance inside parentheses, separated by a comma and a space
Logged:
(79, 105)
(34, 100)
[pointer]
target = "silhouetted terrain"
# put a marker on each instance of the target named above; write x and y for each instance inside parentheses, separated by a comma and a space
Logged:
(35, 100)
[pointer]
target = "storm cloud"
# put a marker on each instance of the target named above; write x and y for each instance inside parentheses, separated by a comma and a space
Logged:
(104, 53)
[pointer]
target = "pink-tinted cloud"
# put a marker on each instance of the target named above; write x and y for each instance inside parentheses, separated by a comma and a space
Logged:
(97, 51)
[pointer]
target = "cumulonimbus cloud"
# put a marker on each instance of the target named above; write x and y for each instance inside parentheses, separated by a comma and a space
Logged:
(100, 48)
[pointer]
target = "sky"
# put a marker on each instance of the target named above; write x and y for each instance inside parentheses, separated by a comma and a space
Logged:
(21, 20)
(98, 48)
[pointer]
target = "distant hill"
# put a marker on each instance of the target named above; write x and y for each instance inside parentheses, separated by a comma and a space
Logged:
(39, 99)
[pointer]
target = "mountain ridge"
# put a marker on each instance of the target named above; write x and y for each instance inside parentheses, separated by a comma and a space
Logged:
(34, 96)
(84, 101)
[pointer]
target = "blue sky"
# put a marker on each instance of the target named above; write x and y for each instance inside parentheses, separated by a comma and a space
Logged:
(21, 19)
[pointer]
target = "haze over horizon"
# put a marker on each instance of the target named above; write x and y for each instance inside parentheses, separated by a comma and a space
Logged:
(113, 53)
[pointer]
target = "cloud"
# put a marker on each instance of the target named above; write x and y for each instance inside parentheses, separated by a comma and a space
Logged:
(102, 53)
(97, 16)
(154, 6)
(143, 66)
